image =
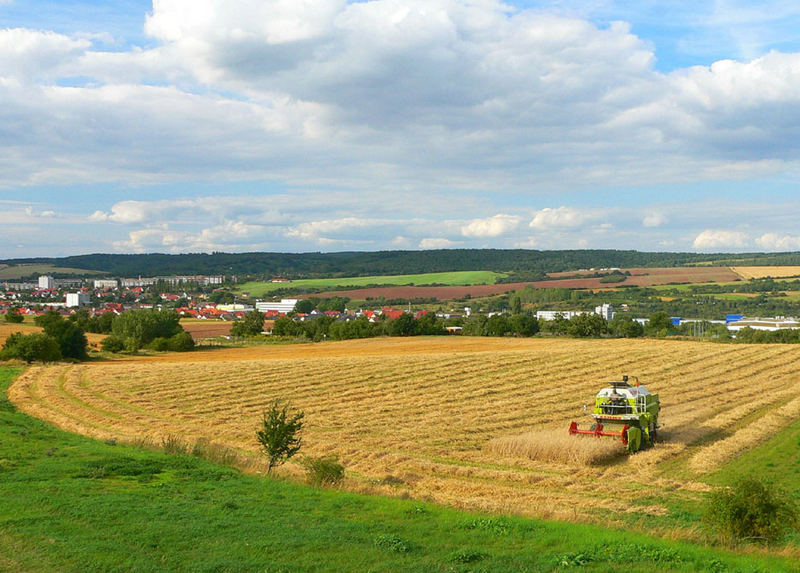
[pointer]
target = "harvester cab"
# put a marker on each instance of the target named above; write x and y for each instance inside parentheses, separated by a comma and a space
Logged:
(629, 412)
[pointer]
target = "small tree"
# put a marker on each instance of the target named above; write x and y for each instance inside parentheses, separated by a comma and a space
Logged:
(251, 325)
(13, 316)
(278, 434)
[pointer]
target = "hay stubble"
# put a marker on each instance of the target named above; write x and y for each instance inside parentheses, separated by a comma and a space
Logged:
(440, 416)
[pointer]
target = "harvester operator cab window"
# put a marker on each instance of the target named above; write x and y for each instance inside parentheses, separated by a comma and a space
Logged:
(615, 404)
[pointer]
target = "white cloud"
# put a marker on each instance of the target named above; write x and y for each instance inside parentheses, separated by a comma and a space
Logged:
(720, 239)
(654, 220)
(26, 55)
(436, 243)
(490, 227)
(565, 217)
(523, 99)
(776, 242)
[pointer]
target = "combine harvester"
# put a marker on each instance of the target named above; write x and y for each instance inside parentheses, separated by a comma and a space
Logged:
(630, 411)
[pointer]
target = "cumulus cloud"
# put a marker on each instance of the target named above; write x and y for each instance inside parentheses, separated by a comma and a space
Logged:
(26, 55)
(490, 227)
(720, 239)
(144, 211)
(776, 242)
(436, 243)
(654, 220)
(549, 218)
(397, 112)
(326, 90)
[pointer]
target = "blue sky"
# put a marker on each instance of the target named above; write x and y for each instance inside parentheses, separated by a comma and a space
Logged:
(326, 125)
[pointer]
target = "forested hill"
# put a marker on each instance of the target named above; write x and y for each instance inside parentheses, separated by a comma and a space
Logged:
(293, 265)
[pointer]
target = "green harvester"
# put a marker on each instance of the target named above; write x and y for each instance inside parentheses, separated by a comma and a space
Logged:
(629, 412)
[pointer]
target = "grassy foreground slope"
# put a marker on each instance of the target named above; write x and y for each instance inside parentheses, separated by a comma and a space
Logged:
(69, 503)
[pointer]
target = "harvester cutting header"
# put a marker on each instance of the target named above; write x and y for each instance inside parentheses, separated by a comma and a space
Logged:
(624, 411)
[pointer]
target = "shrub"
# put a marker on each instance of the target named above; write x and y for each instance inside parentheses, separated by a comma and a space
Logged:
(181, 342)
(139, 327)
(750, 510)
(31, 347)
(113, 344)
(13, 316)
(278, 433)
(159, 344)
(324, 471)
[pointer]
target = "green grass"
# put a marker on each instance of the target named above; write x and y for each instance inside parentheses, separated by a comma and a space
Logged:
(775, 459)
(449, 279)
(69, 503)
(16, 272)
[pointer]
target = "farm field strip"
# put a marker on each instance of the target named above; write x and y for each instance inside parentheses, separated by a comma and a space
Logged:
(767, 271)
(423, 410)
(454, 278)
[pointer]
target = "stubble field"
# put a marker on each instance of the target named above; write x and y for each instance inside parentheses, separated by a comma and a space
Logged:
(416, 416)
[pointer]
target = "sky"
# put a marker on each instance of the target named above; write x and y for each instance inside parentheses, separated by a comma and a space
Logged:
(180, 126)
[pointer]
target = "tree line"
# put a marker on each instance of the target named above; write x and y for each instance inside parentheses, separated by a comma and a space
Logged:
(65, 338)
(523, 264)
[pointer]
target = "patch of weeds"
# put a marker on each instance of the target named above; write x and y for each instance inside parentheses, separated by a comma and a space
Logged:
(495, 525)
(324, 471)
(213, 452)
(198, 474)
(143, 443)
(391, 480)
(122, 466)
(684, 516)
(230, 505)
(110, 442)
(417, 510)
(6, 464)
(173, 444)
(467, 556)
(6, 405)
(715, 566)
(392, 543)
(574, 560)
(630, 552)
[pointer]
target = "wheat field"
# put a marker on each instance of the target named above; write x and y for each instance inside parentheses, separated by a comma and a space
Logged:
(767, 271)
(437, 418)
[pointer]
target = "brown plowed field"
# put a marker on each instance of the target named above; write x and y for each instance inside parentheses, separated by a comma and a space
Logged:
(207, 328)
(639, 277)
(423, 411)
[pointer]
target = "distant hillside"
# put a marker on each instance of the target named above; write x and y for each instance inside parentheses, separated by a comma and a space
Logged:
(296, 265)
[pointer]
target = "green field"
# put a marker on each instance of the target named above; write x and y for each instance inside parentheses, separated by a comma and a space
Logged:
(449, 279)
(69, 503)
(16, 272)
(776, 460)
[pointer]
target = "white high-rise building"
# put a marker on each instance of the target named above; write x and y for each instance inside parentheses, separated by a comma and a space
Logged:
(78, 299)
(46, 281)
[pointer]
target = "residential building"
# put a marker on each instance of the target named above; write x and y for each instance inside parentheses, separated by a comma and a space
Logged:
(285, 306)
(78, 299)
